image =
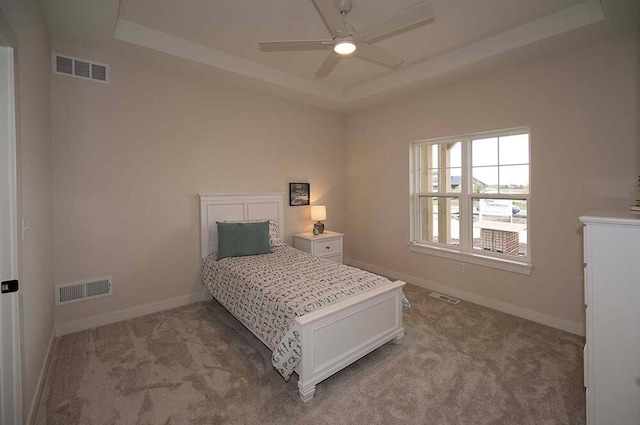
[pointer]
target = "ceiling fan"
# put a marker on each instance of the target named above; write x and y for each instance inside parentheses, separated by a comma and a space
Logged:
(346, 41)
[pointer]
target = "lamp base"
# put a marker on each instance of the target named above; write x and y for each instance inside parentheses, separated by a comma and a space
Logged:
(318, 228)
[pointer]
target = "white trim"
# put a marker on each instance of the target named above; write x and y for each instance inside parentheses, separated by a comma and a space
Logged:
(511, 131)
(129, 313)
(472, 258)
(525, 313)
(35, 401)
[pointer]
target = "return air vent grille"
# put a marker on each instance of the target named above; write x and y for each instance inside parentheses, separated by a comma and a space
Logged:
(446, 298)
(79, 291)
(80, 68)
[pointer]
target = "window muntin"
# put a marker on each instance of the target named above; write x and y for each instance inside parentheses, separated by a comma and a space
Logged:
(440, 167)
(471, 194)
(502, 162)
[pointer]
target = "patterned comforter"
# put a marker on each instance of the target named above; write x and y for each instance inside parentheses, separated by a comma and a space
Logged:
(267, 292)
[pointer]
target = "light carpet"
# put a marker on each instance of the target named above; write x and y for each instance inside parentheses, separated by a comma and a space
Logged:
(458, 364)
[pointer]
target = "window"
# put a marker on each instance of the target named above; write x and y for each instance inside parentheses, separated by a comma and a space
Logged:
(471, 198)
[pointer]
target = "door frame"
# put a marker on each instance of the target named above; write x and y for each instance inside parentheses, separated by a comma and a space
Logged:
(10, 354)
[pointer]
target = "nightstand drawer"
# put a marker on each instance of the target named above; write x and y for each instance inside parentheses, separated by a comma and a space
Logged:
(337, 258)
(327, 247)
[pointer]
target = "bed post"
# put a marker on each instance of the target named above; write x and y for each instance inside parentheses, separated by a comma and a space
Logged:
(398, 339)
(306, 392)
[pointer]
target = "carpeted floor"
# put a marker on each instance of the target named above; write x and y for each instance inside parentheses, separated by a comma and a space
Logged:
(461, 364)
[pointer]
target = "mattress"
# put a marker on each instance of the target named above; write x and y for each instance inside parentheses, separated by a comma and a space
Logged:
(267, 292)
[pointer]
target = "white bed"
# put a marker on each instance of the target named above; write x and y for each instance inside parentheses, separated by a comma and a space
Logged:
(333, 336)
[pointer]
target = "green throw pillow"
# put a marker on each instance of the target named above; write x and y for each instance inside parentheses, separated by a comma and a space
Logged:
(238, 239)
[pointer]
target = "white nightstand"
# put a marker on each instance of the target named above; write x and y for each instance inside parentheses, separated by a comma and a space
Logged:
(326, 245)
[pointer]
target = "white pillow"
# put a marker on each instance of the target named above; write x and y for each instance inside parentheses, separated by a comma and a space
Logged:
(274, 229)
(274, 232)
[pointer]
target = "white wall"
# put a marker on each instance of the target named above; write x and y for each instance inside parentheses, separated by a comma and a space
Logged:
(34, 144)
(582, 109)
(129, 158)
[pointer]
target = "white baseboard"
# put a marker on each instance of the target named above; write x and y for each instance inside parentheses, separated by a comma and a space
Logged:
(35, 401)
(129, 313)
(525, 313)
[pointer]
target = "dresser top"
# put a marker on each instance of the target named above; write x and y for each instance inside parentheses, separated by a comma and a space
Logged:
(611, 217)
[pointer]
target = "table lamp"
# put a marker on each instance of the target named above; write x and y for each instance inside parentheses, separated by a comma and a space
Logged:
(319, 213)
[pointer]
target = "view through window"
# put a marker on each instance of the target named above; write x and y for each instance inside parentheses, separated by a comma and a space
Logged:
(471, 193)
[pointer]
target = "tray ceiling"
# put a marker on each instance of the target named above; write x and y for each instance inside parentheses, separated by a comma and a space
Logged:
(224, 35)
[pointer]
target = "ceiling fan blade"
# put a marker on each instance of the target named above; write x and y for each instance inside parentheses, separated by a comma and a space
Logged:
(275, 46)
(327, 66)
(413, 17)
(331, 17)
(378, 55)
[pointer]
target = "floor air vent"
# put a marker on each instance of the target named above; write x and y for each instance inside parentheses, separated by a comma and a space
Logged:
(450, 300)
(80, 68)
(79, 291)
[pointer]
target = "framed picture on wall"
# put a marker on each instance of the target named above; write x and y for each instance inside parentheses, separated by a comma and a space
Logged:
(299, 194)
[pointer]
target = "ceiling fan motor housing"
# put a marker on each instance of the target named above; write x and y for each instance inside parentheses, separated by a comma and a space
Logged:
(344, 6)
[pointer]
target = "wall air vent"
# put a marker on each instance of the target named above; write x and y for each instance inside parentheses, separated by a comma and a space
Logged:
(448, 299)
(79, 68)
(83, 290)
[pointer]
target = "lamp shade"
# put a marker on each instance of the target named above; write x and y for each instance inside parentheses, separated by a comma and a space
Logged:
(318, 213)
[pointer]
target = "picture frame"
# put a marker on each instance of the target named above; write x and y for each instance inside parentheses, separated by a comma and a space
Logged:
(299, 194)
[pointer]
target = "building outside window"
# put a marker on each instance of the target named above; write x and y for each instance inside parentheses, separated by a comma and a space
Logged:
(470, 198)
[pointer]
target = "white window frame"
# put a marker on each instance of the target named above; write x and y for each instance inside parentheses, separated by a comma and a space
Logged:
(465, 251)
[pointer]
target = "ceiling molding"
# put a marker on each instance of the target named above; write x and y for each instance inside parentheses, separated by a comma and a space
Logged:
(311, 91)
(557, 23)
(166, 43)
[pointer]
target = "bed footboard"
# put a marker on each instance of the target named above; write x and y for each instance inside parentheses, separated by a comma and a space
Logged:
(337, 335)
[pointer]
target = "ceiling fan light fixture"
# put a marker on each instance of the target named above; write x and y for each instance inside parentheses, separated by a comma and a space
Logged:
(344, 46)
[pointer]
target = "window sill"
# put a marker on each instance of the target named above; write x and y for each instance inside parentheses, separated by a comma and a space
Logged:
(521, 267)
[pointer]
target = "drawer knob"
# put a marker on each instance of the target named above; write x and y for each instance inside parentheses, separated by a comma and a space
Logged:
(328, 247)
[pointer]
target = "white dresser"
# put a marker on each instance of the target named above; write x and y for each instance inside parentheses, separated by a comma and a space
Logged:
(326, 245)
(612, 297)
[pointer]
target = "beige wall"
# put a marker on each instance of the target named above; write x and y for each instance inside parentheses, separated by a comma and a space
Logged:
(36, 290)
(583, 114)
(129, 158)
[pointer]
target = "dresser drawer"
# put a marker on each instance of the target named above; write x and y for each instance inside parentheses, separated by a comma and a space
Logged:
(587, 285)
(584, 244)
(585, 356)
(328, 247)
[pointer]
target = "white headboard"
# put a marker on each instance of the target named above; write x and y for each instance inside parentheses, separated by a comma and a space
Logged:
(235, 206)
